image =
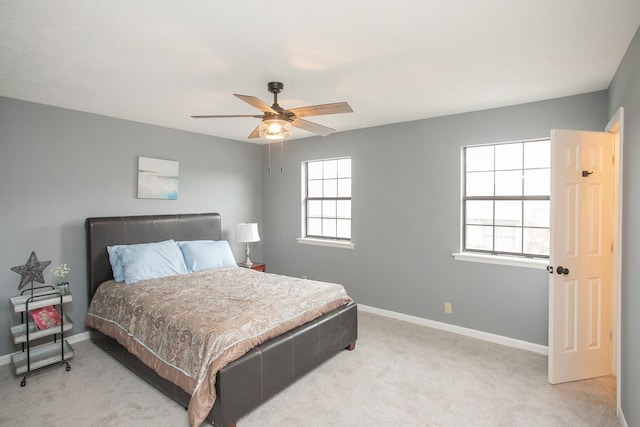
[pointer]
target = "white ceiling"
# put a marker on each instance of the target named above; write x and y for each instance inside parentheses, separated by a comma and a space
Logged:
(160, 61)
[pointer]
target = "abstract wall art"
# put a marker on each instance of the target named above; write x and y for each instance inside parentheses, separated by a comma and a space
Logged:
(157, 179)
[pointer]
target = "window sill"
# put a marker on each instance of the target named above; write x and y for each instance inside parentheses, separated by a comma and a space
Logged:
(326, 242)
(537, 263)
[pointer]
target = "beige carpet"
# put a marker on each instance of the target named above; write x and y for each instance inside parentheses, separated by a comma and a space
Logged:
(399, 375)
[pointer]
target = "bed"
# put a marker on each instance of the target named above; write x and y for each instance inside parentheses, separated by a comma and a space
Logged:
(262, 371)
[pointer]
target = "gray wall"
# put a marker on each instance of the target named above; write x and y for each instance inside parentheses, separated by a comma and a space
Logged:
(625, 91)
(58, 167)
(406, 212)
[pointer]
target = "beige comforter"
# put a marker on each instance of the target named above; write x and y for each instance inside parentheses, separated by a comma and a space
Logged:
(189, 327)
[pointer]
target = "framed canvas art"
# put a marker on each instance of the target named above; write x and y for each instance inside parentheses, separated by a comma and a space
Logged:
(157, 179)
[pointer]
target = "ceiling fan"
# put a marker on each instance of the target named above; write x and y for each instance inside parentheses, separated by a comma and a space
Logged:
(276, 121)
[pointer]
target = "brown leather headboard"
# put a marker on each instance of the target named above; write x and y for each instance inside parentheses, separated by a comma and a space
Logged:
(125, 230)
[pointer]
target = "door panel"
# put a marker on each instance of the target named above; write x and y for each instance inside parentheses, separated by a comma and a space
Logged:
(594, 295)
(570, 315)
(570, 226)
(580, 296)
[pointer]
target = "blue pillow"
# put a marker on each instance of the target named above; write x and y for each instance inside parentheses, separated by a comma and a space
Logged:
(147, 261)
(207, 254)
(116, 262)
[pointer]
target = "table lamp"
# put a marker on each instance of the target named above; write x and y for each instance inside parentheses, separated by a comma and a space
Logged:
(247, 232)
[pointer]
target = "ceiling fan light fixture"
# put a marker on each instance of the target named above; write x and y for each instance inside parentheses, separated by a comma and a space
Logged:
(275, 129)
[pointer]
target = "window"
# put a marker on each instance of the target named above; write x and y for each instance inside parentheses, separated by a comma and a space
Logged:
(506, 198)
(327, 199)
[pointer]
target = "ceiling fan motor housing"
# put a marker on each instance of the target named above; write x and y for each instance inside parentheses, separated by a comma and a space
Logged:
(275, 87)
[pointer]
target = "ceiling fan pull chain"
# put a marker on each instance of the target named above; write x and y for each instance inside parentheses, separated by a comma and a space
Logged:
(269, 158)
(281, 156)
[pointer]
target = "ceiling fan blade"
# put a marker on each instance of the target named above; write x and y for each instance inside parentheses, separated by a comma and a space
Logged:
(252, 100)
(312, 127)
(255, 133)
(215, 116)
(319, 110)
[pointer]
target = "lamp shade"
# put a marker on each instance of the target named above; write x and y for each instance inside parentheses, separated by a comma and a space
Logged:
(275, 129)
(247, 232)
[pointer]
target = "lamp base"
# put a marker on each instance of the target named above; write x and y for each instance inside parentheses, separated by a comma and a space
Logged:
(247, 262)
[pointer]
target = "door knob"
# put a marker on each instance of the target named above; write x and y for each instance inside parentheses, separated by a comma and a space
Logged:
(562, 270)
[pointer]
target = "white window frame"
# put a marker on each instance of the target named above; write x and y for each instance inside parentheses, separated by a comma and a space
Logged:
(316, 240)
(536, 262)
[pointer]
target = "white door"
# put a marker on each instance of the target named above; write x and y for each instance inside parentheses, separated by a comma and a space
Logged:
(580, 255)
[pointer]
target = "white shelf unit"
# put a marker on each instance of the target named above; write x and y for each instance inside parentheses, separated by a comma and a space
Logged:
(41, 299)
(33, 357)
(19, 332)
(41, 356)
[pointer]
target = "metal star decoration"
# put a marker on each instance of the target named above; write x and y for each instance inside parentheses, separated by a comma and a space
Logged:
(31, 271)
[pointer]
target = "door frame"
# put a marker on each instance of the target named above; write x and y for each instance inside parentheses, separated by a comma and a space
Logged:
(616, 126)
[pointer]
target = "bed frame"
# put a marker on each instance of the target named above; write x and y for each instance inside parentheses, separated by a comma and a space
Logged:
(255, 377)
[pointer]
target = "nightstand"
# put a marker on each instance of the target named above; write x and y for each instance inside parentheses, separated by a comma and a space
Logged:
(258, 266)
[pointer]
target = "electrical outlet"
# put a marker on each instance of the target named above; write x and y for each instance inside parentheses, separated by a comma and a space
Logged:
(447, 307)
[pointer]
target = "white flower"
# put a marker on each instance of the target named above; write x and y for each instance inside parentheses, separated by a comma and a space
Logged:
(61, 271)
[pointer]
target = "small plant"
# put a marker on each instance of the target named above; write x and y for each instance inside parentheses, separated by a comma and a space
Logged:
(61, 272)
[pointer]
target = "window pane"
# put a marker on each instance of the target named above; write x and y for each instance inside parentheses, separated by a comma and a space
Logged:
(479, 237)
(509, 213)
(479, 158)
(314, 208)
(326, 182)
(330, 188)
(344, 187)
(344, 168)
(537, 154)
(509, 239)
(329, 227)
(330, 169)
(537, 213)
(506, 198)
(479, 184)
(314, 226)
(344, 229)
(509, 183)
(314, 188)
(329, 208)
(343, 208)
(479, 212)
(537, 182)
(508, 156)
(536, 241)
(314, 170)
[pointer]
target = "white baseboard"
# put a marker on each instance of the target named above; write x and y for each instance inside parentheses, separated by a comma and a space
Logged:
(484, 336)
(622, 419)
(72, 339)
